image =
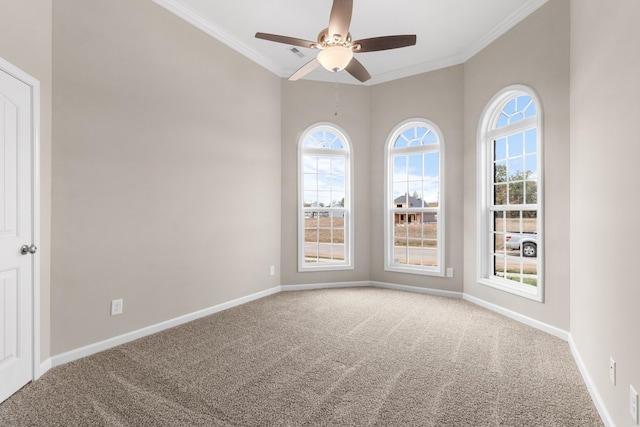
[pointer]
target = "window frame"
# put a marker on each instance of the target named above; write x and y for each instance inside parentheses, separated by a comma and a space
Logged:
(347, 153)
(389, 204)
(487, 133)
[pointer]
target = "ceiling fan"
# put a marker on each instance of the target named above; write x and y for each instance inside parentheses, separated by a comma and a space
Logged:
(336, 46)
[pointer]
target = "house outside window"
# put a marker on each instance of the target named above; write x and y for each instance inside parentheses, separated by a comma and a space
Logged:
(325, 207)
(414, 220)
(510, 195)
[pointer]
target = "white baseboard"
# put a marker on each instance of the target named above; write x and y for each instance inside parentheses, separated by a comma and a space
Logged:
(557, 332)
(42, 368)
(334, 285)
(90, 349)
(593, 390)
(417, 290)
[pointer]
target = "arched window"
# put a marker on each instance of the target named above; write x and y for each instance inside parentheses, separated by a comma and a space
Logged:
(414, 211)
(510, 202)
(325, 230)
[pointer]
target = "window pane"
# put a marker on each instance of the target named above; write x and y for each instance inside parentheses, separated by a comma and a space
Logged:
(415, 194)
(431, 193)
(516, 169)
(516, 193)
(500, 194)
(502, 121)
(338, 236)
(498, 243)
(531, 110)
(310, 181)
(400, 229)
(500, 149)
(500, 172)
(324, 198)
(400, 168)
(399, 254)
(510, 108)
(499, 265)
(513, 221)
(529, 267)
(523, 102)
(338, 183)
(400, 194)
(401, 142)
(324, 165)
(415, 166)
(432, 165)
(531, 188)
(531, 141)
(430, 138)
(338, 252)
(430, 253)
(515, 145)
(338, 165)
(531, 166)
(337, 199)
(310, 164)
(498, 221)
(310, 199)
(324, 181)
(530, 221)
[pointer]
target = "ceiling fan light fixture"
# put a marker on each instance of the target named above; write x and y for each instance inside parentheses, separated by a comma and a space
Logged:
(335, 58)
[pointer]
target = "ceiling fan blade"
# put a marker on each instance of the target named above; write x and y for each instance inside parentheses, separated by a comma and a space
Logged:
(286, 40)
(357, 70)
(304, 70)
(385, 42)
(340, 18)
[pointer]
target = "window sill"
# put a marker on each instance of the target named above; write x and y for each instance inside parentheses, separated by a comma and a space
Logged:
(315, 268)
(526, 291)
(415, 270)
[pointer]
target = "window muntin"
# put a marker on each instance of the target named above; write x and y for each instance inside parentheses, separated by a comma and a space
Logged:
(324, 230)
(414, 220)
(511, 236)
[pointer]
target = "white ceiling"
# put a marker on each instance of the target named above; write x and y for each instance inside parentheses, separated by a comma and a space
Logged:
(449, 32)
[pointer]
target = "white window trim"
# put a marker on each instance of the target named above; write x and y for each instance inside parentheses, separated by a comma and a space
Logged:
(388, 199)
(485, 135)
(347, 264)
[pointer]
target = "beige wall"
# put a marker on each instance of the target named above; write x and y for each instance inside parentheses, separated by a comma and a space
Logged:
(436, 96)
(534, 53)
(605, 146)
(166, 185)
(25, 41)
(305, 103)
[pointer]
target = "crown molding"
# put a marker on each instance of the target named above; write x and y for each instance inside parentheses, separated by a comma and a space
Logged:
(511, 21)
(178, 8)
(200, 22)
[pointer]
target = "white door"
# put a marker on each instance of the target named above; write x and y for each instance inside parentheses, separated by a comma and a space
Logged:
(16, 231)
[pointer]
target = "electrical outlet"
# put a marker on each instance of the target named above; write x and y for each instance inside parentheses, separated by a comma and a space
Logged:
(272, 270)
(633, 403)
(449, 272)
(612, 370)
(116, 306)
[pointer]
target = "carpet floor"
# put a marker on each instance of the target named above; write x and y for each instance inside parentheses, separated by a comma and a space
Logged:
(340, 357)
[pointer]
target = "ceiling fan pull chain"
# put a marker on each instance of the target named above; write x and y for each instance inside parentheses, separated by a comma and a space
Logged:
(337, 97)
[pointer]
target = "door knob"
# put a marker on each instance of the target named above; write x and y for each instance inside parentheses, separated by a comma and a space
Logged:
(25, 249)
